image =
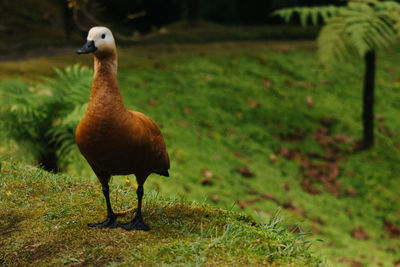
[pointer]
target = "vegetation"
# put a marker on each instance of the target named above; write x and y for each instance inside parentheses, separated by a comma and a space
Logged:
(252, 127)
(362, 27)
(43, 120)
(38, 229)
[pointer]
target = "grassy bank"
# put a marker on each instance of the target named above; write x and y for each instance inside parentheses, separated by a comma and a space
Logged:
(254, 126)
(44, 216)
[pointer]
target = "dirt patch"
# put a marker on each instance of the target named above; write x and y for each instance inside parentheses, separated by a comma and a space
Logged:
(317, 168)
(359, 233)
(351, 262)
(392, 229)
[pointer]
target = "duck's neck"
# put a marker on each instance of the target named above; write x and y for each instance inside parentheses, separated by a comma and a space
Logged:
(105, 92)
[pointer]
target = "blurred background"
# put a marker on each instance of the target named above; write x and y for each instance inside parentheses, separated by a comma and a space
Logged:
(287, 105)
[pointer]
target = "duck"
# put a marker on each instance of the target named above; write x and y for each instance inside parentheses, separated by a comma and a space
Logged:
(113, 139)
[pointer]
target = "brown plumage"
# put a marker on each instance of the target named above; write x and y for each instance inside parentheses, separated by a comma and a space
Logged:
(114, 140)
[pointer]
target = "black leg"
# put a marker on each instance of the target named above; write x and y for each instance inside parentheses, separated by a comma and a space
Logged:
(137, 223)
(111, 220)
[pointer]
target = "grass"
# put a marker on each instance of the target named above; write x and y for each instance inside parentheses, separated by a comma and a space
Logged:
(37, 228)
(224, 106)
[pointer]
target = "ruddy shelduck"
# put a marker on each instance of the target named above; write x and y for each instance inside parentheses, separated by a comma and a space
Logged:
(114, 140)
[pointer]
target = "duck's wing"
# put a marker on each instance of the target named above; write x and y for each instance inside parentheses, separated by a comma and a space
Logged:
(148, 133)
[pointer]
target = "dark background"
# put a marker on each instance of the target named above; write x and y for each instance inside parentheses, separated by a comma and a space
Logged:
(227, 12)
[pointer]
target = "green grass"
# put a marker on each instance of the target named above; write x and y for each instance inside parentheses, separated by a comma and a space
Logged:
(222, 106)
(43, 222)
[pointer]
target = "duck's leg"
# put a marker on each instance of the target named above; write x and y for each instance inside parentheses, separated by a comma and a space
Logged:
(111, 220)
(137, 223)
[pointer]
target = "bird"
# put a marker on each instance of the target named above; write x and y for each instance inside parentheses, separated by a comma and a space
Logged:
(113, 139)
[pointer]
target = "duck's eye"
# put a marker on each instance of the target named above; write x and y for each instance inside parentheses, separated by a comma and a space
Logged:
(103, 36)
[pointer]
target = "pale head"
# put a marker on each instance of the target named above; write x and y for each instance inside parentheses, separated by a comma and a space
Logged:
(100, 41)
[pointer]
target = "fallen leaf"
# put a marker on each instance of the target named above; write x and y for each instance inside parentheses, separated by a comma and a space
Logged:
(215, 198)
(230, 130)
(245, 172)
(307, 186)
(309, 101)
(379, 117)
(243, 204)
(252, 103)
(154, 102)
(359, 233)
(251, 191)
(286, 187)
(323, 82)
(351, 192)
(207, 173)
(305, 84)
(284, 152)
(187, 111)
(296, 135)
(205, 181)
(289, 205)
(217, 156)
(269, 196)
(273, 158)
(342, 138)
(382, 128)
(237, 154)
(334, 171)
(290, 83)
(391, 228)
(256, 199)
(332, 187)
(390, 249)
(352, 262)
(391, 70)
(351, 174)
(267, 83)
(314, 172)
(327, 121)
(305, 163)
(317, 220)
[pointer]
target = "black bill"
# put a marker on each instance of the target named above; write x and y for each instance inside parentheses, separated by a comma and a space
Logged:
(87, 48)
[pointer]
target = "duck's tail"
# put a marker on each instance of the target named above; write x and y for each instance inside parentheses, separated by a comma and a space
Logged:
(163, 173)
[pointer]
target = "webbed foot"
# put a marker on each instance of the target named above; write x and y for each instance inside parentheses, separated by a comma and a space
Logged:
(136, 224)
(110, 222)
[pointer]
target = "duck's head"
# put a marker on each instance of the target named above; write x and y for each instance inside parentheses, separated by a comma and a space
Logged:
(100, 41)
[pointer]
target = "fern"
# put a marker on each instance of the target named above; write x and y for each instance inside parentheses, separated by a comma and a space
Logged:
(358, 27)
(43, 119)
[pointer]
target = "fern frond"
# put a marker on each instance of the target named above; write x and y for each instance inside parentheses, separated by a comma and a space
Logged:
(358, 27)
(72, 85)
(45, 120)
(307, 14)
(62, 133)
